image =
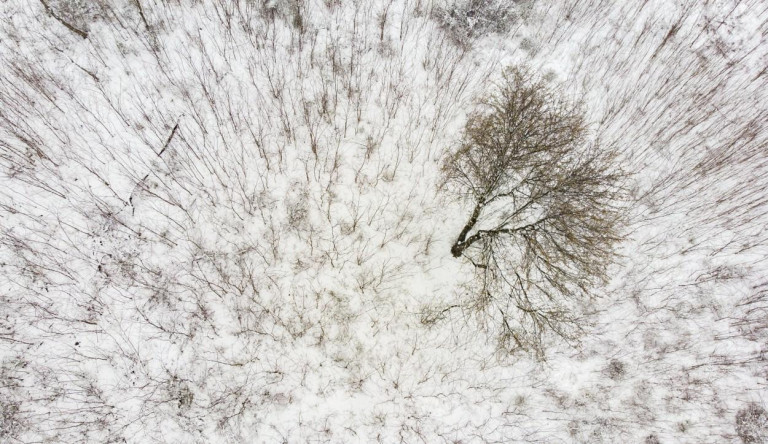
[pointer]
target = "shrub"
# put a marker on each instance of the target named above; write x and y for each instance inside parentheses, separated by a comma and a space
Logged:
(652, 439)
(9, 420)
(616, 369)
(466, 20)
(752, 424)
(547, 209)
(180, 393)
(291, 11)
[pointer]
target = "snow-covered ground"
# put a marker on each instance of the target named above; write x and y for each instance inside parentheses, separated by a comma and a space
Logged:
(222, 223)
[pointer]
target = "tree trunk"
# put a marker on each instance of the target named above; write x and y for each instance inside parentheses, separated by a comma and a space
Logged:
(461, 244)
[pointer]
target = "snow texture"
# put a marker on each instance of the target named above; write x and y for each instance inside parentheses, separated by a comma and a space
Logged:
(222, 223)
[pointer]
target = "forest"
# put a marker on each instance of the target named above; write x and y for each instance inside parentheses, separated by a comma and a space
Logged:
(393, 221)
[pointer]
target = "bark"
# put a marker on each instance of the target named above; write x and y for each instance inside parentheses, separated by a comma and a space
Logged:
(462, 243)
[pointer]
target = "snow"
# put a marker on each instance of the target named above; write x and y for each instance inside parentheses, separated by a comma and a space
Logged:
(286, 260)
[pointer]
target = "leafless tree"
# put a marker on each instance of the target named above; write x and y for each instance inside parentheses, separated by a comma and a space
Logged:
(547, 207)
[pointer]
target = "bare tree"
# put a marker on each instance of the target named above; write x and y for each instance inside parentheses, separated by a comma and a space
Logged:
(547, 208)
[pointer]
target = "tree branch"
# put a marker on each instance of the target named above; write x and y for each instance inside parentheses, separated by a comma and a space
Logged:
(79, 32)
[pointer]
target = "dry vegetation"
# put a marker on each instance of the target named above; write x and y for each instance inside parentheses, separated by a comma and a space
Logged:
(227, 221)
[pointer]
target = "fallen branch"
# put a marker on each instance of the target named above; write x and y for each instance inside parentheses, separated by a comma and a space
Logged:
(79, 32)
(168, 142)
